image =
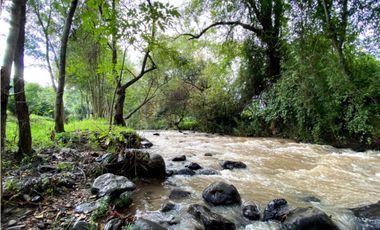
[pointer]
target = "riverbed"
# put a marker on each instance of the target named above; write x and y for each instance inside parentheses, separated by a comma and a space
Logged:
(322, 176)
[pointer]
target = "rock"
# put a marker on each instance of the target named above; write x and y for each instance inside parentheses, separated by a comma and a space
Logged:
(82, 225)
(186, 171)
(210, 220)
(47, 168)
(208, 154)
(143, 224)
(193, 166)
(86, 207)
(114, 224)
(232, 165)
(251, 212)
(37, 198)
(145, 143)
(41, 225)
(156, 134)
(66, 182)
(276, 210)
(309, 219)
(26, 197)
(177, 194)
(208, 172)
(108, 184)
(167, 207)
(220, 193)
(311, 199)
(368, 216)
(12, 222)
(180, 158)
(157, 168)
(18, 227)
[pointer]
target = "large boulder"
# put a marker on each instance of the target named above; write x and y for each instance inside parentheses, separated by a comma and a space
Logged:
(368, 216)
(308, 219)
(210, 220)
(143, 224)
(156, 167)
(110, 184)
(232, 165)
(220, 193)
(276, 210)
(251, 212)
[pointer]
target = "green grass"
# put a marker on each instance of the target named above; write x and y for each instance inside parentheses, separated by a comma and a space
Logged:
(42, 129)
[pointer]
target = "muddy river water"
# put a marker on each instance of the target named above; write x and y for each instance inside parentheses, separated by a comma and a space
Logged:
(304, 174)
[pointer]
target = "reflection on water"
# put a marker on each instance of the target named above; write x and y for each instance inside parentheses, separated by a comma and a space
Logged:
(276, 168)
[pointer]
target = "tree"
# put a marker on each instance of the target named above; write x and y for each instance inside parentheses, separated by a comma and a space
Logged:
(59, 108)
(12, 39)
(25, 136)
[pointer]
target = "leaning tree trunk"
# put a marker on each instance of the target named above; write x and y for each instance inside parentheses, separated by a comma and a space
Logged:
(119, 107)
(8, 58)
(59, 108)
(22, 111)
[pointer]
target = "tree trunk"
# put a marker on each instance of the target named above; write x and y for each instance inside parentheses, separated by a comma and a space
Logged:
(8, 59)
(22, 111)
(119, 106)
(59, 108)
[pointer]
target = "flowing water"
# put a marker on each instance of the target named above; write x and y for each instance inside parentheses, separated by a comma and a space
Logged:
(276, 168)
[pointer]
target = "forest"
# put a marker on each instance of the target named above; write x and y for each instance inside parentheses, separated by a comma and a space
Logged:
(306, 70)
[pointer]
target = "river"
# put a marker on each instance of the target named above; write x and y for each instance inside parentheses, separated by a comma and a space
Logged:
(304, 174)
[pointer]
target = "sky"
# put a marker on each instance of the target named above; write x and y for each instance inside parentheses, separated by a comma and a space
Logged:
(33, 70)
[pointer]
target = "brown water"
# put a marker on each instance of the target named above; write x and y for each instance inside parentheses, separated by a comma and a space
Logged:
(276, 168)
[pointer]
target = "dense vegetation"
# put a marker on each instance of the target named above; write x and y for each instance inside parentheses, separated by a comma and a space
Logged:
(307, 70)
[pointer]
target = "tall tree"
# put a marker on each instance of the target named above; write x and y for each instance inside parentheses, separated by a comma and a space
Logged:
(12, 39)
(25, 136)
(59, 108)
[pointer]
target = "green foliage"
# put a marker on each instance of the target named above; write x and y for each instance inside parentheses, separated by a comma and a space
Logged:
(65, 166)
(11, 184)
(123, 201)
(129, 227)
(102, 209)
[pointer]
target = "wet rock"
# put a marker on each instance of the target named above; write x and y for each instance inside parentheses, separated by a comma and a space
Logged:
(114, 224)
(193, 166)
(208, 154)
(208, 172)
(177, 194)
(157, 168)
(18, 227)
(251, 212)
(179, 158)
(143, 224)
(37, 198)
(311, 199)
(109, 184)
(12, 222)
(145, 143)
(156, 134)
(47, 168)
(210, 220)
(167, 207)
(86, 207)
(103, 157)
(368, 216)
(220, 193)
(186, 171)
(66, 182)
(82, 225)
(41, 225)
(309, 219)
(232, 165)
(276, 210)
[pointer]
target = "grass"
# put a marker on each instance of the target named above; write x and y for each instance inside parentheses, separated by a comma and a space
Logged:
(42, 129)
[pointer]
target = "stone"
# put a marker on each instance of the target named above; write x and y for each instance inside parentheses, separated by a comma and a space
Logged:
(37, 198)
(208, 154)
(208, 172)
(220, 193)
(86, 207)
(232, 165)
(108, 184)
(157, 168)
(193, 166)
(12, 222)
(276, 210)
(368, 216)
(47, 168)
(145, 143)
(210, 220)
(251, 212)
(144, 224)
(179, 158)
(156, 134)
(82, 225)
(18, 227)
(186, 172)
(114, 224)
(177, 194)
(311, 199)
(309, 219)
(41, 225)
(167, 207)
